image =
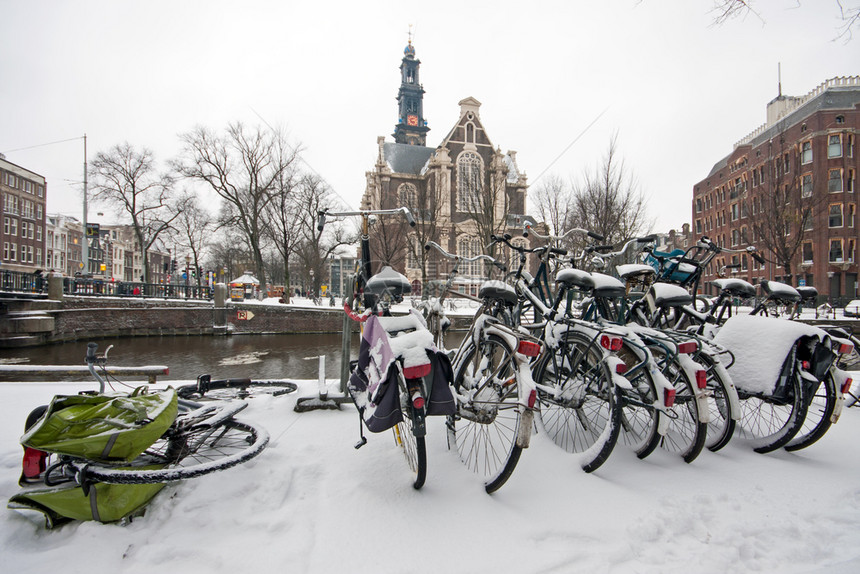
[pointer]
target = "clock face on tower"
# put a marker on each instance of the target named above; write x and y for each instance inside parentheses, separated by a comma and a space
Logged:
(412, 120)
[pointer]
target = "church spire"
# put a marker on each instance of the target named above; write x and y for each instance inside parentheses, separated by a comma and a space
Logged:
(411, 126)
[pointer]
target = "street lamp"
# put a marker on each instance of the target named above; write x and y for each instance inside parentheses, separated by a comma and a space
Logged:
(313, 291)
(187, 273)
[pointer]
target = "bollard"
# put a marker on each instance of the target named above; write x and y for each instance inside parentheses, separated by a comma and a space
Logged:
(322, 385)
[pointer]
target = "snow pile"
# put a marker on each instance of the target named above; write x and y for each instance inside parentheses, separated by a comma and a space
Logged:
(303, 504)
(760, 346)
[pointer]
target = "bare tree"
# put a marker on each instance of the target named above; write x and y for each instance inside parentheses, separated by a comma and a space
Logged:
(126, 179)
(315, 246)
(193, 228)
(553, 204)
(244, 167)
(282, 215)
(782, 211)
(485, 199)
(725, 10)
(609, 201)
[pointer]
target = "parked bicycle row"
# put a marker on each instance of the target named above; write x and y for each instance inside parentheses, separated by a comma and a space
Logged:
(596, 356)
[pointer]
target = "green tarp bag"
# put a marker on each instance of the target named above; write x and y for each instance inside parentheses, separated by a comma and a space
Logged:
(103, 503)
(103, 428)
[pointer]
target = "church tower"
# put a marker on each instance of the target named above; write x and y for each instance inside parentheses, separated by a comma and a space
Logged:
(411, 126)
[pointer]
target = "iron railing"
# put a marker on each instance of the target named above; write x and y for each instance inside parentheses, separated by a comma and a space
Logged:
(36, 284)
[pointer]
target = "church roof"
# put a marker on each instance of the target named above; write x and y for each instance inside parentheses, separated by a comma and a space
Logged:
(404, 158)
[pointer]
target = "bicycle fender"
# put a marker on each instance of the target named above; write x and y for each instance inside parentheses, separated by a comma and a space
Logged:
(690, 367)
(524, 433)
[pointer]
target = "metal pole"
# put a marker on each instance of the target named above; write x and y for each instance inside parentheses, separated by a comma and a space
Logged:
(85, 251)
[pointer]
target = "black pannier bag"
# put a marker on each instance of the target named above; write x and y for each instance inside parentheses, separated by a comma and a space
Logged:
(373, 382)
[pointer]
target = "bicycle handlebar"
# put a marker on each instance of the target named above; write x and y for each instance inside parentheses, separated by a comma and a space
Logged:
(527, 228)
(366, 213)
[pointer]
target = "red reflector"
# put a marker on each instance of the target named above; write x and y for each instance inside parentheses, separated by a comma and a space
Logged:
(804, 365)
(669, 397)
(167, 370)
(529, 348)
(34, 462)
(532, 399)
(845, 348)
(417, 371)
(688, 348)
(611, 343)
(701, 379)
(620, 368)
(846, 386)
(418, 401)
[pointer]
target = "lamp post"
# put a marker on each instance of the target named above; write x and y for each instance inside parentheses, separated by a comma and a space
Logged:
(313, 291)
(187, 273)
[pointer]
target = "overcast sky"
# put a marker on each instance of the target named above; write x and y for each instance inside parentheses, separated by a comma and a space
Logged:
(678, 91)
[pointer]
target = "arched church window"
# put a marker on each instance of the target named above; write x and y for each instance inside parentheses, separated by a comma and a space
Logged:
(469, 247)
(407, 195)
(470, 133)
(469, 178)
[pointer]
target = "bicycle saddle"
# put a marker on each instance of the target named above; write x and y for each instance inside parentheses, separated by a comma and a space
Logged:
(388, 280)
(575, 278)
(780, 291)
(667, 295)
(607, 286)
(807, 293)
(498, 290)
(735, 287)
(635, 270)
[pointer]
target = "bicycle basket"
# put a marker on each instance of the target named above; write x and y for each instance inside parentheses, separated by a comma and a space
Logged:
(103, 428)
(669, 268)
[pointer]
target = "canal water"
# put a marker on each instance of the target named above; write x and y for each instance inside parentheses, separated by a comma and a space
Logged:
(254, 356)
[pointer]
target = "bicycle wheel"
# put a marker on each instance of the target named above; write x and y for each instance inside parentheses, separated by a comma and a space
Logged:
(584, 414)
(185, 453)
(770, 421)
(234, 389)
(818, 415)
(485, 428)
(721, 418)
(685, 434)
(414, 448)
(639, 416)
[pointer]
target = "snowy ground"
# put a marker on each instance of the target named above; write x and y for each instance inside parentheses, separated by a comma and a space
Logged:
(312, 503)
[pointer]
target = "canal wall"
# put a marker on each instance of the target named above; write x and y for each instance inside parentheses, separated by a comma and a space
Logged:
(37, 322)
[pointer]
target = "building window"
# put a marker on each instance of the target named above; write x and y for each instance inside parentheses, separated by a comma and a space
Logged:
(806, 152)
(834, 181)
(699, 205)
(835, 255)
(834, 145)
(849, 184)
(806, 186)
(850, 215)
(469, 247)
(469, 177)
(807, 252)
(698, 226)
(735, 237)
(734, 212)
(840, 119)
(407, 195)
(807, 220)
(835, 218)
(786, 163)
(849, 253)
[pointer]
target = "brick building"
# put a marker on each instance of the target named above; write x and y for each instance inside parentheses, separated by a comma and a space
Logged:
(460, 191)
(22, 234)
(790, 189)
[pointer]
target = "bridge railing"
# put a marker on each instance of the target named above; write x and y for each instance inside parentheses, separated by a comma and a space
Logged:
(36, 285)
